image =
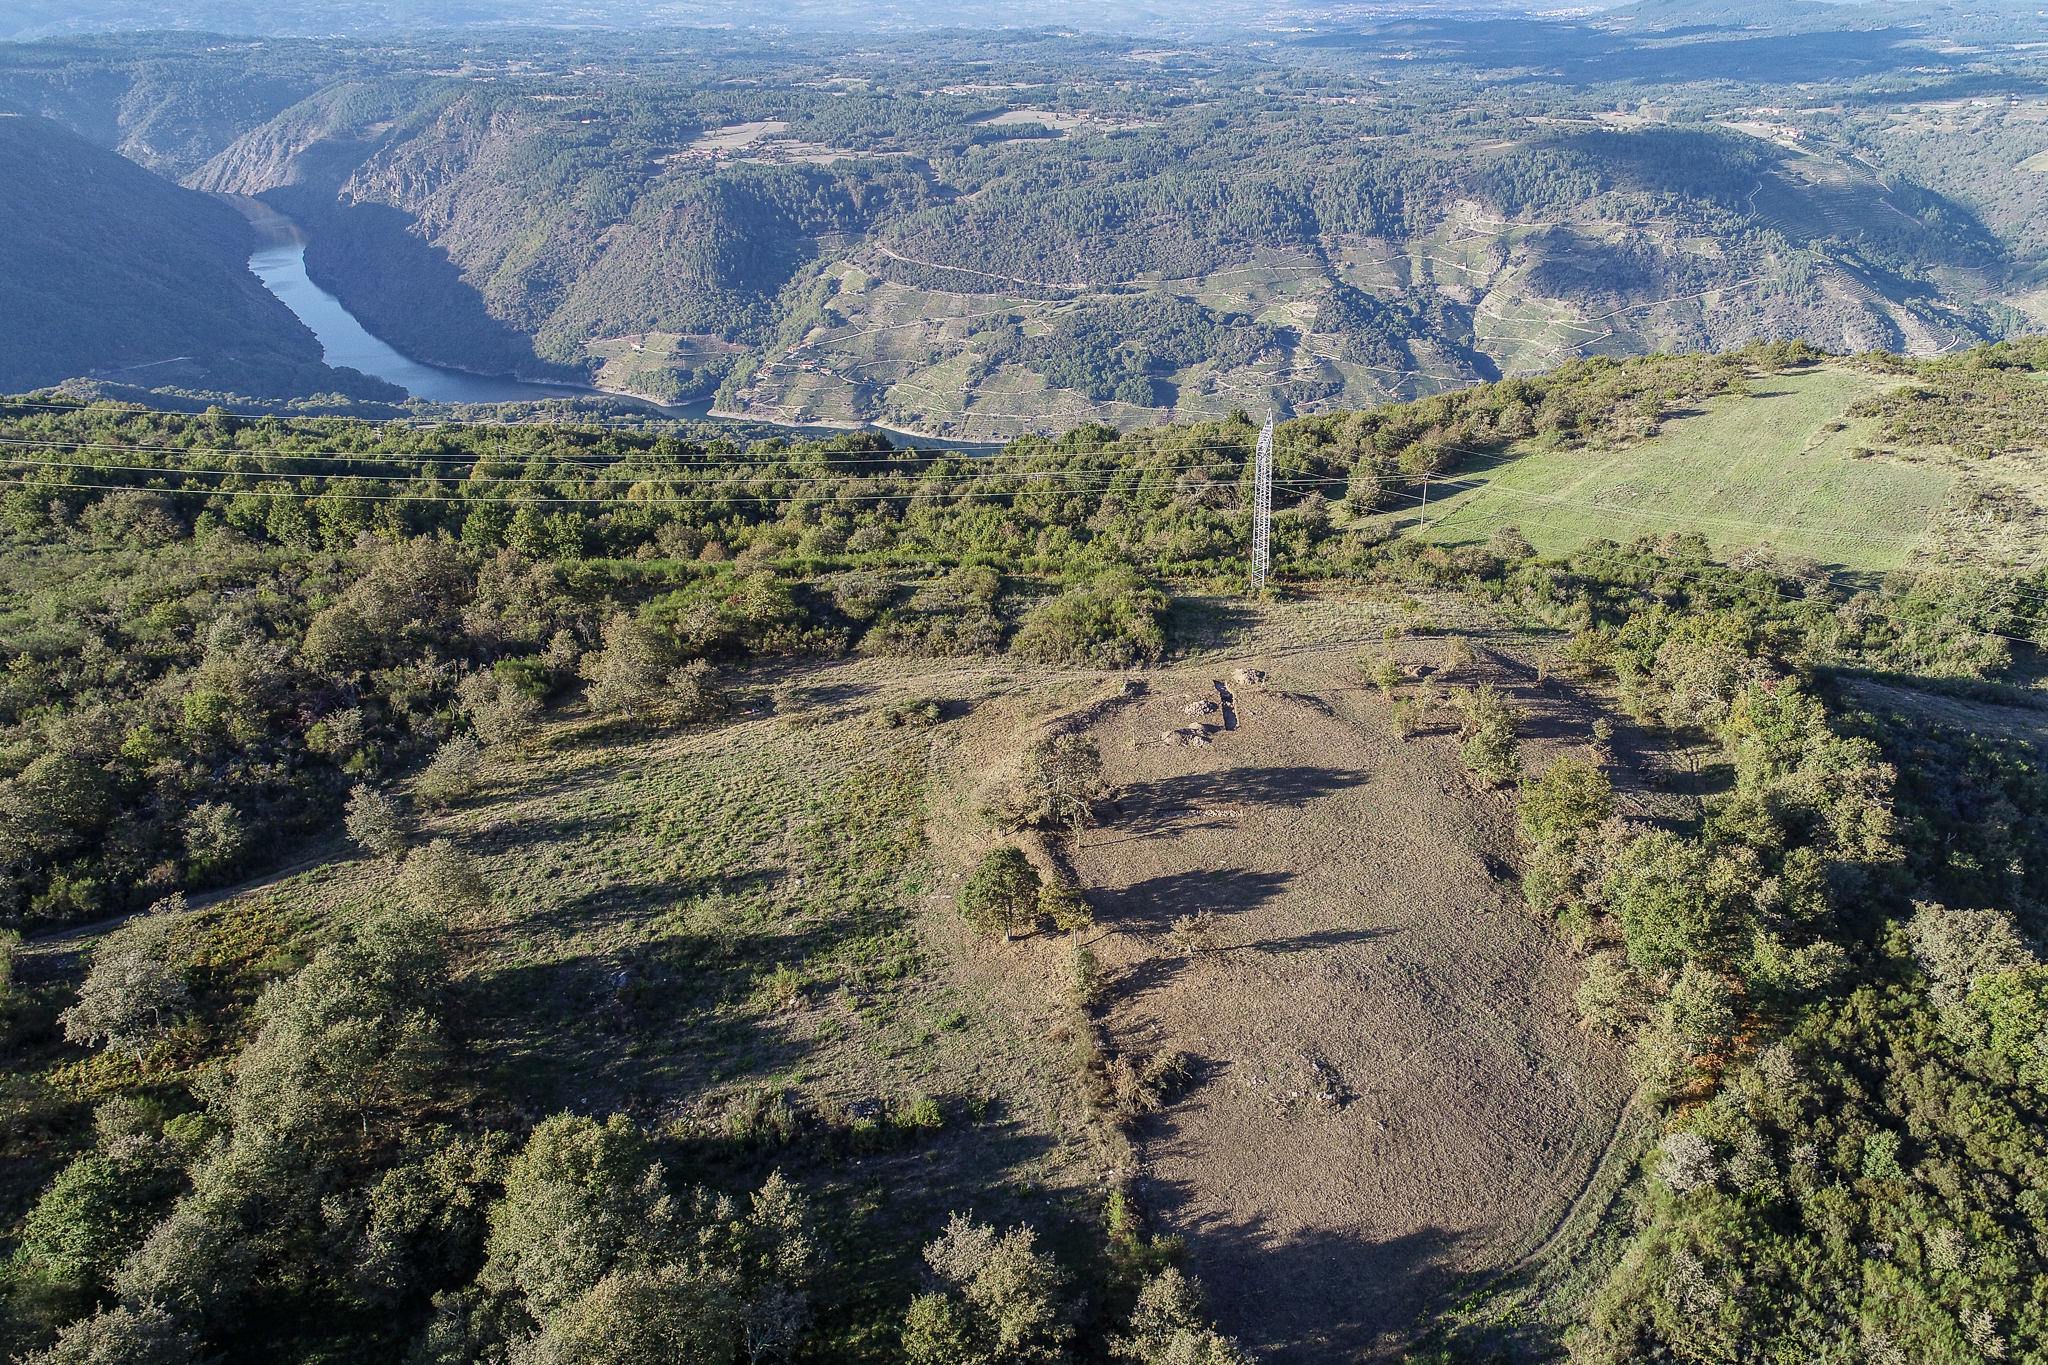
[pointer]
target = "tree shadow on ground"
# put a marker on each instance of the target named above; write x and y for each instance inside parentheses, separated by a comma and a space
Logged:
(1143, 805)
(1153, 973)
(1303, 1296)
(1150, 907)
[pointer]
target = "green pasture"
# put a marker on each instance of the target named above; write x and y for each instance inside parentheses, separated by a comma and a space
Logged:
(1775, 467)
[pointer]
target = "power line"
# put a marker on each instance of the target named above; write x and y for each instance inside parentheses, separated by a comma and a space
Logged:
(1262, 508)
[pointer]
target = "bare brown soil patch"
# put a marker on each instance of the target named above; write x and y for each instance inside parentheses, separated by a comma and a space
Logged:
(1393, 1087)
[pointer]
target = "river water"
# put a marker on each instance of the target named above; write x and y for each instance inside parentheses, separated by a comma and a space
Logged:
(280, 262)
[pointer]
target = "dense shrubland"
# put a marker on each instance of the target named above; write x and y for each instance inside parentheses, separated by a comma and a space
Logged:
(1830, 980)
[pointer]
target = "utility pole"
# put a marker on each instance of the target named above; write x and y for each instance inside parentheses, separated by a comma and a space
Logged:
(1262, 509)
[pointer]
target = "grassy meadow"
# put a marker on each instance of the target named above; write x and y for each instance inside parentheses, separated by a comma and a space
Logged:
(1779, 466)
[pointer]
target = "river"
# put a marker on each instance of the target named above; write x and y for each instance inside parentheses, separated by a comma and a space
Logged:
(280, 262)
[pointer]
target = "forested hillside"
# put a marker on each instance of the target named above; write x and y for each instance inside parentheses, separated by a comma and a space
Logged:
(974, 237)
(107, 270)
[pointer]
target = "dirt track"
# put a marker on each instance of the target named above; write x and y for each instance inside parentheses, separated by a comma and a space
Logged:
(1393, 1087)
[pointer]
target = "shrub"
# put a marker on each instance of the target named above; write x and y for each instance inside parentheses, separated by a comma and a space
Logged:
(860, 596)
(98, 1210)
(626, 676)
(375, 822)
(1491, 750)
(500, 711)
(1508, 542)
(452, 772)
(994, 1299)
(1167, 1327)
(1959, 947)
(1194, 933)
(1002, 893)
(133, 995)
(1700, 1011)
(214, 834)
(1403, 717)
(1457, 656)
(1085, 986)
(665, 1315)
(698, 697)
(141, 1334)
(1064, 906)
(1115, 621)
(1611, 996)
(1572, 795)
(1382, 670)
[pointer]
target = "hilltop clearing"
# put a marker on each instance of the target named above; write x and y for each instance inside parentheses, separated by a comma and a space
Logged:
(1789, 465)
(1390, 1087)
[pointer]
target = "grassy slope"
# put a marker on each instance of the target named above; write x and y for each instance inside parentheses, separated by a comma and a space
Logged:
(1769, 467)
(688, 925)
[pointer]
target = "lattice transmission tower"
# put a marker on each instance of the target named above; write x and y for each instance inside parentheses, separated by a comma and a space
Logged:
(1262, 509)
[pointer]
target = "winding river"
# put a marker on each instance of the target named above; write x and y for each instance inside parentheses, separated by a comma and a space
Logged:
(280, 262)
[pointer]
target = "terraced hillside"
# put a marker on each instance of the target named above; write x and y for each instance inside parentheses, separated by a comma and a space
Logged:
(975, 239)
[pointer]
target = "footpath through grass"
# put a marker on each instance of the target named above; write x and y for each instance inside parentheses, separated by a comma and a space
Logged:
(1777, 466)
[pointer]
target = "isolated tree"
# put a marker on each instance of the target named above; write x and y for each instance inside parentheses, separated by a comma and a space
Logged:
(995, 1300)
(133, 995)
(375, 822)
(1167, 1327)
(1492, 752)
(452, 772)
(1060, 777)
(1002, 892)
(442, 878)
